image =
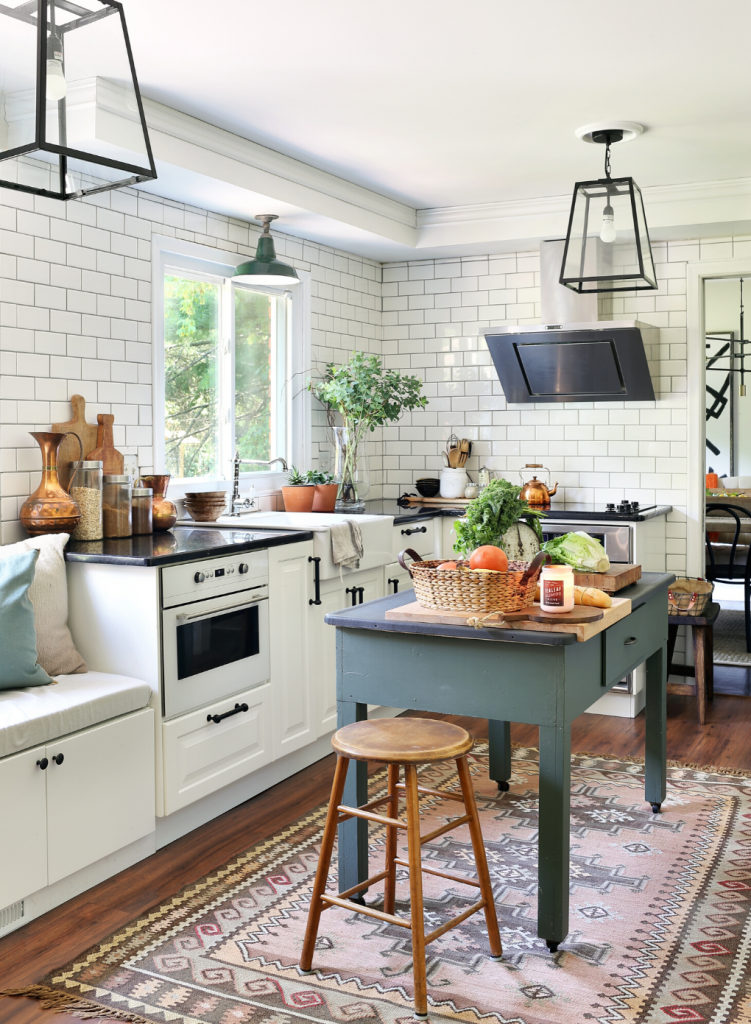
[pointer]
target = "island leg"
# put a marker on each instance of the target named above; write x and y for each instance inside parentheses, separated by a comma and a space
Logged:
(499, 753)
(655, 754)
(353, 834)
(554, 834)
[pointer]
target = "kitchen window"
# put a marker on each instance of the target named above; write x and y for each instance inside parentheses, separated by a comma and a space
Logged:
(229, 368)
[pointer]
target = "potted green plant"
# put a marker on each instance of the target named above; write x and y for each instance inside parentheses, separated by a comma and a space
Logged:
(298, 492)
(326, 490)
(366, 396)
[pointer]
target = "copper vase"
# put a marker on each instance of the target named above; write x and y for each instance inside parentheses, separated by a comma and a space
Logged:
(165, 513)
(50, 509)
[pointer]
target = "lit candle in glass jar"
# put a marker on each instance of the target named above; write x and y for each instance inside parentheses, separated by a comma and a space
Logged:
(557, 588)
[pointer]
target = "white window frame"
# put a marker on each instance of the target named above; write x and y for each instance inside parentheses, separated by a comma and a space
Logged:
(209, 264)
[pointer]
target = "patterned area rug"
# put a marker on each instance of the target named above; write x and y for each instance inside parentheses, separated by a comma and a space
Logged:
(660, 923)
(730, 639)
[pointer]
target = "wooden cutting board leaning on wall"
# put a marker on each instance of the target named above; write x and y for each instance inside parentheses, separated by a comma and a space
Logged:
(105, 451)
(69, 452)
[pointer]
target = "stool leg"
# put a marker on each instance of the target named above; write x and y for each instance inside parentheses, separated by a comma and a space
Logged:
(709, 660)
(700, 670)
(481, 862)
(324, 861)
(389, 895)
(672, 637)
(415, 891)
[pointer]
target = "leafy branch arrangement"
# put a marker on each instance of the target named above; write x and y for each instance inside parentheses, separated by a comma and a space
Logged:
(492, 514)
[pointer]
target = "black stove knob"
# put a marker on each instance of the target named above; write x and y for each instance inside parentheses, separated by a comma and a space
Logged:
(610, 507)
(199, 577)
(634, 506)
(242, 567)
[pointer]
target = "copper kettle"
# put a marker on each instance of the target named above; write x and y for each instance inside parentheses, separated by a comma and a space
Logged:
(534, 491)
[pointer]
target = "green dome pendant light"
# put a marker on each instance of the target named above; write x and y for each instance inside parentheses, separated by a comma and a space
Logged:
(266, 269)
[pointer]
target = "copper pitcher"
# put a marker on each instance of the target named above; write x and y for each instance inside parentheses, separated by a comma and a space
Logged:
(50, 509)
(164, 511)
(534, 491)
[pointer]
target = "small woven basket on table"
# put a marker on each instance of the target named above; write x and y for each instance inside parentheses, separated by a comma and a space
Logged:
(690, 596)
(472, 590)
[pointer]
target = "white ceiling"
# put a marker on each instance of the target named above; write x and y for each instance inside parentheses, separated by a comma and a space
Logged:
(436, 103)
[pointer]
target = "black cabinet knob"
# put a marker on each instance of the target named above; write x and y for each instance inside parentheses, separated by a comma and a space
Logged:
(199, 577)
(58, 758)
(243, 568)
(43, 763)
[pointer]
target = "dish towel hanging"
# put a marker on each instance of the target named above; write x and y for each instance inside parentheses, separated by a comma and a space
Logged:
(346, 544)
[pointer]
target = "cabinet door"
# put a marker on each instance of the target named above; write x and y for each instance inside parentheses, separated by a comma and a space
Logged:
(23, 825)
(100, 797)
(202, 755)
(290, 587)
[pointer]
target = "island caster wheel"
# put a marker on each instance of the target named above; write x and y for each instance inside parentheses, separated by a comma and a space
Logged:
(656, 808)
(503, 787)
(552, 946)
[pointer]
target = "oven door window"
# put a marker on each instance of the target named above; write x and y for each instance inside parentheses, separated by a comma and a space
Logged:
(219, 640)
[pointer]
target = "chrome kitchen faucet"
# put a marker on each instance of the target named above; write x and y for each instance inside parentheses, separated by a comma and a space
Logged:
(238, 506)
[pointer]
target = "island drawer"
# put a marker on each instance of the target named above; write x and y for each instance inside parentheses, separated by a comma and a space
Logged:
(418, 536)
(626, 644)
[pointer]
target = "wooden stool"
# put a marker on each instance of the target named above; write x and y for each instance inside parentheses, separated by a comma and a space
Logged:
(408, 742)
(703, 670)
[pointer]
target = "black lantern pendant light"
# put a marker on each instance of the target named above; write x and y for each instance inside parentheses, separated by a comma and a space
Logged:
(71, 116)
(266, 269)
(607, 243)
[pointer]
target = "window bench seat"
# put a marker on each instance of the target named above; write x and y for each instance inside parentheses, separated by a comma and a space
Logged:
(38, 714)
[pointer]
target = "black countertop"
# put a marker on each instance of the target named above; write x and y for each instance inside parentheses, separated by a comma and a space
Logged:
(372, 615)
(558, 510)
(180, 544)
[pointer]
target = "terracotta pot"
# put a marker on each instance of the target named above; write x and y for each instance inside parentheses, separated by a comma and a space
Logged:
(165, 513)
(325, 497)
(299, 498)
(50, 509)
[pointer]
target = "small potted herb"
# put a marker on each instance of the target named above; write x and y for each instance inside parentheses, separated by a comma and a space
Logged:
(326, 490)
(298, 492)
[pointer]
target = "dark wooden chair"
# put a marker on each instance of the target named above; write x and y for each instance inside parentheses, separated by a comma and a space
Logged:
(703, 669)
(725, 562)
(408, 742)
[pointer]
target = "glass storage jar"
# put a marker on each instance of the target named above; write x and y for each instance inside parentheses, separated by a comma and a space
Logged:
(87, 493)
(116, 502)
(143, 500)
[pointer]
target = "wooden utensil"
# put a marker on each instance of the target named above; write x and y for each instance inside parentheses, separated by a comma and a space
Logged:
(86, 433)
(105, 451)
(616, 578)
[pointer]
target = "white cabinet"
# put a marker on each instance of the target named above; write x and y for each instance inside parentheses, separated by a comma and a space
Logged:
(290, 589)
(100, 797)
(420, 536)
(23, 825)
(201, 755)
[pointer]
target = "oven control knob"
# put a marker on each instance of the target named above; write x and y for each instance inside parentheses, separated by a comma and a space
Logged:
(199, 577)
(243, 567)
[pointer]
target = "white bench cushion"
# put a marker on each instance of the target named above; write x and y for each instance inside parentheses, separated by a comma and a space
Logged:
(37, 714)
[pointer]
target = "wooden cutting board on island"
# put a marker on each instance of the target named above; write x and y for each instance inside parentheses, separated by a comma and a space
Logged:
(68, 454)
(618, 576)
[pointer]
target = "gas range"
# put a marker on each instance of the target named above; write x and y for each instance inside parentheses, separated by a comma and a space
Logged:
(607, 512)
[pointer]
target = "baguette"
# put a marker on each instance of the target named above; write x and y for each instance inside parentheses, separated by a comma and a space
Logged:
(586, 596)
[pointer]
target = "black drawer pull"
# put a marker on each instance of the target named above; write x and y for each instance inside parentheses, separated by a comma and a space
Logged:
(631, 640)
(396, 585)
(43, 763)
(58, 758)
(235, 711)
(417, 529)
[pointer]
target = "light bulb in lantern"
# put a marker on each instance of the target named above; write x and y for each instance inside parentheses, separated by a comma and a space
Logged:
(607, 232)
(57, 87)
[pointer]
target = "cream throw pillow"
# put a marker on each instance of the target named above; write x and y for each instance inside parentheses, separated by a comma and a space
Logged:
(57, 653)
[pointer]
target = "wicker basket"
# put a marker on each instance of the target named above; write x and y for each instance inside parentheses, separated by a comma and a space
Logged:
(471, 590)
(689, 596)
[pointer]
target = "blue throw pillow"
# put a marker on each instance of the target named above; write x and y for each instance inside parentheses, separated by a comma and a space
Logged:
(18, 637)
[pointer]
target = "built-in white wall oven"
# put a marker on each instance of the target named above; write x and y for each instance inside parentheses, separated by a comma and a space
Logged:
(215, 629)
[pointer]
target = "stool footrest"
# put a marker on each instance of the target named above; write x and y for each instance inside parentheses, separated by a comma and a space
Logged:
(442, 929)
(445, 828)
(448, 795)
(355, 812)
(368, 911)
(441, 874)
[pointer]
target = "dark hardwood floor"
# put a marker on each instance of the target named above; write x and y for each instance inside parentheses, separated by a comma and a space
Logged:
(48, 942)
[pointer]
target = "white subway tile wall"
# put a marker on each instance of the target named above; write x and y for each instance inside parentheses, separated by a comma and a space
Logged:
(76, 318)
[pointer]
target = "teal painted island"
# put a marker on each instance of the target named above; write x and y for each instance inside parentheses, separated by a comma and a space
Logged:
(505, 675)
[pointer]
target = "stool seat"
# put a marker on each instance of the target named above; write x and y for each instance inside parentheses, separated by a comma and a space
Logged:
(402, 741)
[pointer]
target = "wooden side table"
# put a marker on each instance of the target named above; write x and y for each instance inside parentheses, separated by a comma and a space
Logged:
(702, 628)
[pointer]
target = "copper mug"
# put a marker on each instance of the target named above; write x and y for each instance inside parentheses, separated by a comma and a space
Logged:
(51, 509)
(164, 511)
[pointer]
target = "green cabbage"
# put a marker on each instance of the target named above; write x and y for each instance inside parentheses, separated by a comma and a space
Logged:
(578, 550)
